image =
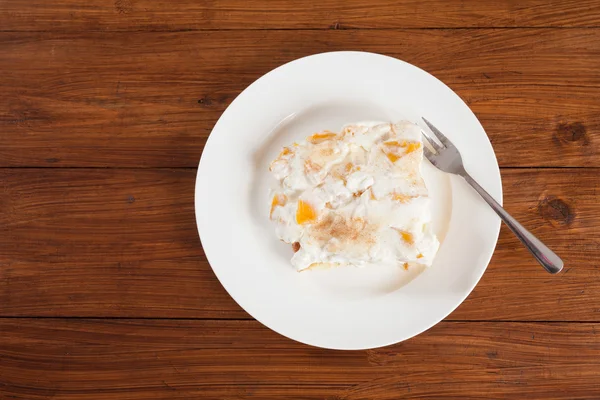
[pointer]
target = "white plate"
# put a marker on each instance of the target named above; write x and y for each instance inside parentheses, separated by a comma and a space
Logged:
(341, 308)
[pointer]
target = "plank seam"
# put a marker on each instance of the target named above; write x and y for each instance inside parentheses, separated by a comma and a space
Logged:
(453, 321)
(339, 28)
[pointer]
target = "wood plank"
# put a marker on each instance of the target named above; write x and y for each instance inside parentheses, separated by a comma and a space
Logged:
(170, 359)
(127, 15)
(150, 99)
(123, 243)
(107, 242)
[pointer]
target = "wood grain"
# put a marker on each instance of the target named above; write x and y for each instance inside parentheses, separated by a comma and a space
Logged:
(150, 99)
(170, 359)
(137, 85)
(127, 15)
(123, 243)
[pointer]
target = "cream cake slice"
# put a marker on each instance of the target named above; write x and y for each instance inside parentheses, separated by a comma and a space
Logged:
(354, 198)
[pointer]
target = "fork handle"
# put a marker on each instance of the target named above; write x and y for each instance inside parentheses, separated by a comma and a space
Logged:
(546, 257)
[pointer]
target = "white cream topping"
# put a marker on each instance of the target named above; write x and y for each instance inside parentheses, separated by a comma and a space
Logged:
(355, 198)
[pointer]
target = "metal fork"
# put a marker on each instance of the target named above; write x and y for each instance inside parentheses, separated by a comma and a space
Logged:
(446, 157)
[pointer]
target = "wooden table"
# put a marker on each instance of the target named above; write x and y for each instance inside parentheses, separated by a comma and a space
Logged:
(104, 111)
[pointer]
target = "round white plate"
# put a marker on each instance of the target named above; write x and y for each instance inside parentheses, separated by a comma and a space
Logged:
(341, 308)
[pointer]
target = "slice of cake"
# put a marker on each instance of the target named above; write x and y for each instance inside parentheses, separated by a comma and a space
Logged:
(354, 198)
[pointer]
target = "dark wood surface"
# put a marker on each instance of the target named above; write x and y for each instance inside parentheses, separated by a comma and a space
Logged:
(183, 359)
(105, 291)
(150, 99)
(130, 15)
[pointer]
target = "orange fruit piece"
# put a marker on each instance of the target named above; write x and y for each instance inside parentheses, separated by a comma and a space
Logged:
(393, 157)
(321, 137)
(412, 147)
(278, 200)
(406, 236)
(402, 198)
(394, 145)
(305, 214)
